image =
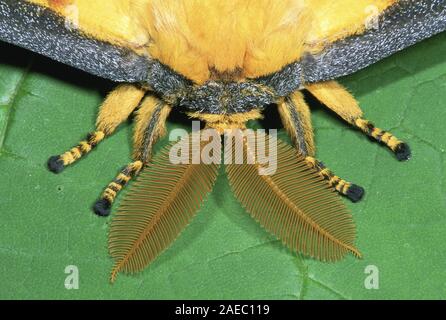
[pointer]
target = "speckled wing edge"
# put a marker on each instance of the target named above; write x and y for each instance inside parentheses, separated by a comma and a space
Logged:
(40, 30)
(400, 26)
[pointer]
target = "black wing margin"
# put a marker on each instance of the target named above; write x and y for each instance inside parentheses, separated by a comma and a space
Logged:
(40, 30)
(400, 26)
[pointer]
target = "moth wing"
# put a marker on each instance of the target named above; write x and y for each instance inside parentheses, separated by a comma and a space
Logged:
(95, 36)
(345, 48)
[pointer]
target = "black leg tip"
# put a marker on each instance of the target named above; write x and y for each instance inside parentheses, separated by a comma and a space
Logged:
(403, 152)
(55, 164)
(102, 208)
(355, 193)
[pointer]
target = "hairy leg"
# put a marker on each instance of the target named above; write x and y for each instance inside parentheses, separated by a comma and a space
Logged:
(295, 115)
(150, 126)
(348, 189)
(338, 99)
(116, 108)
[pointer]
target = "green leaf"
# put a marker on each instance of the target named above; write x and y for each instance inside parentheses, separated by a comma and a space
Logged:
(47, 224)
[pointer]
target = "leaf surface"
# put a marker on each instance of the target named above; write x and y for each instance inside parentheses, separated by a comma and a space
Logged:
(46, 221)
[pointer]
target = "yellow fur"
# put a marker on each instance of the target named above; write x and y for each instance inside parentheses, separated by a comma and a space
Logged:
(117, 107)
(112, 190)
(199, 38)
(82, 148)
(334, 20)
(337, 98)
(108, 20)
(378, 134)
(196, 36)
(221, 122)
(333, 180)
(257, 37)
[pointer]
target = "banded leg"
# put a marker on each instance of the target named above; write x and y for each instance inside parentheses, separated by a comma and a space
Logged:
(338, 99)
(150, 126)
(116, 108)
(295, 115)
(350, 190)
(102, 207)
(57, 164)
(400, 148)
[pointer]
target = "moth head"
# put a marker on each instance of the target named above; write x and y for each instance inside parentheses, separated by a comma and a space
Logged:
(223, 96)
(220, 97)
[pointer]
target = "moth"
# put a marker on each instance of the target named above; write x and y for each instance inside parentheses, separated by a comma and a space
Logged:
(223, 63)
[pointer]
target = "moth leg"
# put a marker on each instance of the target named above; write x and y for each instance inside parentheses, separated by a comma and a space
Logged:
(400, 148)
(116, 108)
(296, 118)
(102, 207)
(338, 99)
(295, 115)
(150, 126)
(348, 189)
